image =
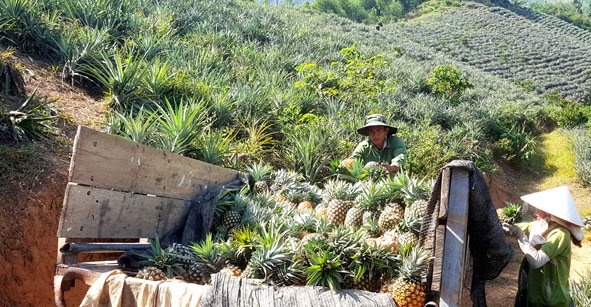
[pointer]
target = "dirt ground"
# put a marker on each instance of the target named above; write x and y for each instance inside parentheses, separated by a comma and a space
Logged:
(29, 217)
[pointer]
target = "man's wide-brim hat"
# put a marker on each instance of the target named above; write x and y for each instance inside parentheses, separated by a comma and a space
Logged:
(558, 202)
(376, 120)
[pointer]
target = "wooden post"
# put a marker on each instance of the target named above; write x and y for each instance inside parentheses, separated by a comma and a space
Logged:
(456, 234)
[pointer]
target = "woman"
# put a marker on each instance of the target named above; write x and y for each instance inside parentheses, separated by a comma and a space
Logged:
(544, 272)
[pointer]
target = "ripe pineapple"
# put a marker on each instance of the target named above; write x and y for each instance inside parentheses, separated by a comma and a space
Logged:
(339, 195)
(305, 205)
(151, 273)
(354, 217)
(390, 216)
(409, 288)
(337, 211)
(348, 163)
(417, 208)
(232, 270)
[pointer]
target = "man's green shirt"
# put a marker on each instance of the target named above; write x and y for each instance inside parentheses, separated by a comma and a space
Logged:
(393, 153)
(548, 286)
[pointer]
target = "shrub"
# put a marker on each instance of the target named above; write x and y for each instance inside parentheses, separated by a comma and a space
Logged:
(447, 81)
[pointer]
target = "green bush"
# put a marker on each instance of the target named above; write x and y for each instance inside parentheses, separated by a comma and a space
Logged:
(447, 82)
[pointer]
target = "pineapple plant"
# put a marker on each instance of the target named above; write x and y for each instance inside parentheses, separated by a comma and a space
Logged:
(414, 189)
(409, 289)
(511, 213)
(261, 174)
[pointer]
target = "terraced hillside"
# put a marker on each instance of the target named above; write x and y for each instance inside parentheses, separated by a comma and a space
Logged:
(515, 44)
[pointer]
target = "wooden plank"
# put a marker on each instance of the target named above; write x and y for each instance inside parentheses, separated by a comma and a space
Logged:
(444, 198)
(111, 162)
(454, 255)
(96, 213)
(438, 261)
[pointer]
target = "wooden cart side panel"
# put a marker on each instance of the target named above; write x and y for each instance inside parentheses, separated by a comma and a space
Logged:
(112, 162)
(454, 255)
(97, 213)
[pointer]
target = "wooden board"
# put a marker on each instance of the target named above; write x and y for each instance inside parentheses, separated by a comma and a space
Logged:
(454, 255)
(111, 162)
(90, 212)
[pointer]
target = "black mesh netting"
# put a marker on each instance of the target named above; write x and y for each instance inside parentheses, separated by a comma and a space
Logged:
(490, 251)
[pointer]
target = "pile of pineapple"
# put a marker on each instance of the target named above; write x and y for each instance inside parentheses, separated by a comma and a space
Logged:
(356, 230)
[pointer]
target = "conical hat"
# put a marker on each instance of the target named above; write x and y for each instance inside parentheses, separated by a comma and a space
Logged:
(557, 202)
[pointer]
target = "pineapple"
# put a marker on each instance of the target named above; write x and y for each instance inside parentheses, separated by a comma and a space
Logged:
(232, 270)
(158, 259)
(409, 289)
(390, 216)
(260, 173)
(348, 163)
(337, 211)
(408, 230)
(417, 208)
(151, 273)
(320, 210)
(340, 194)
(375, 170)
(305, 205)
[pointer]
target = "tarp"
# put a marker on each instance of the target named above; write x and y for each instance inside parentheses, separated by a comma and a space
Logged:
(116, 289)
(230, 291)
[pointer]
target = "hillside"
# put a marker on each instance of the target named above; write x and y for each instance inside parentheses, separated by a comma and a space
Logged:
(241, 60)
(511, 43)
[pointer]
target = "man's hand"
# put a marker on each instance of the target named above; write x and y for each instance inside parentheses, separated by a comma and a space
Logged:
(390, 168)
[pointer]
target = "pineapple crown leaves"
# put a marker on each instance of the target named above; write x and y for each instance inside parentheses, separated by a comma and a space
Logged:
(511, 213)
(208, 253)
(351, 170)
(302, 222)
(335, 188)
(373, 259)
(267, 258)
(259, 171)
(344, 241)
(225, 200)
(414, 262)
(412, 223)
(243, 241)
(289, 275)
(416, 189)
(325, 270)
(371, 195)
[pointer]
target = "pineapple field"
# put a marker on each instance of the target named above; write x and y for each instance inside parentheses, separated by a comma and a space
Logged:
(277, 92)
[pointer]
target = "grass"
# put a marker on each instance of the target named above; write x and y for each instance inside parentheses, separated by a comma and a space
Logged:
(556, 157)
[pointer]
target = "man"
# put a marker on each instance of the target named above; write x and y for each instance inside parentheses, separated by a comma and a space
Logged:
(546, 243)
(383, 145)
